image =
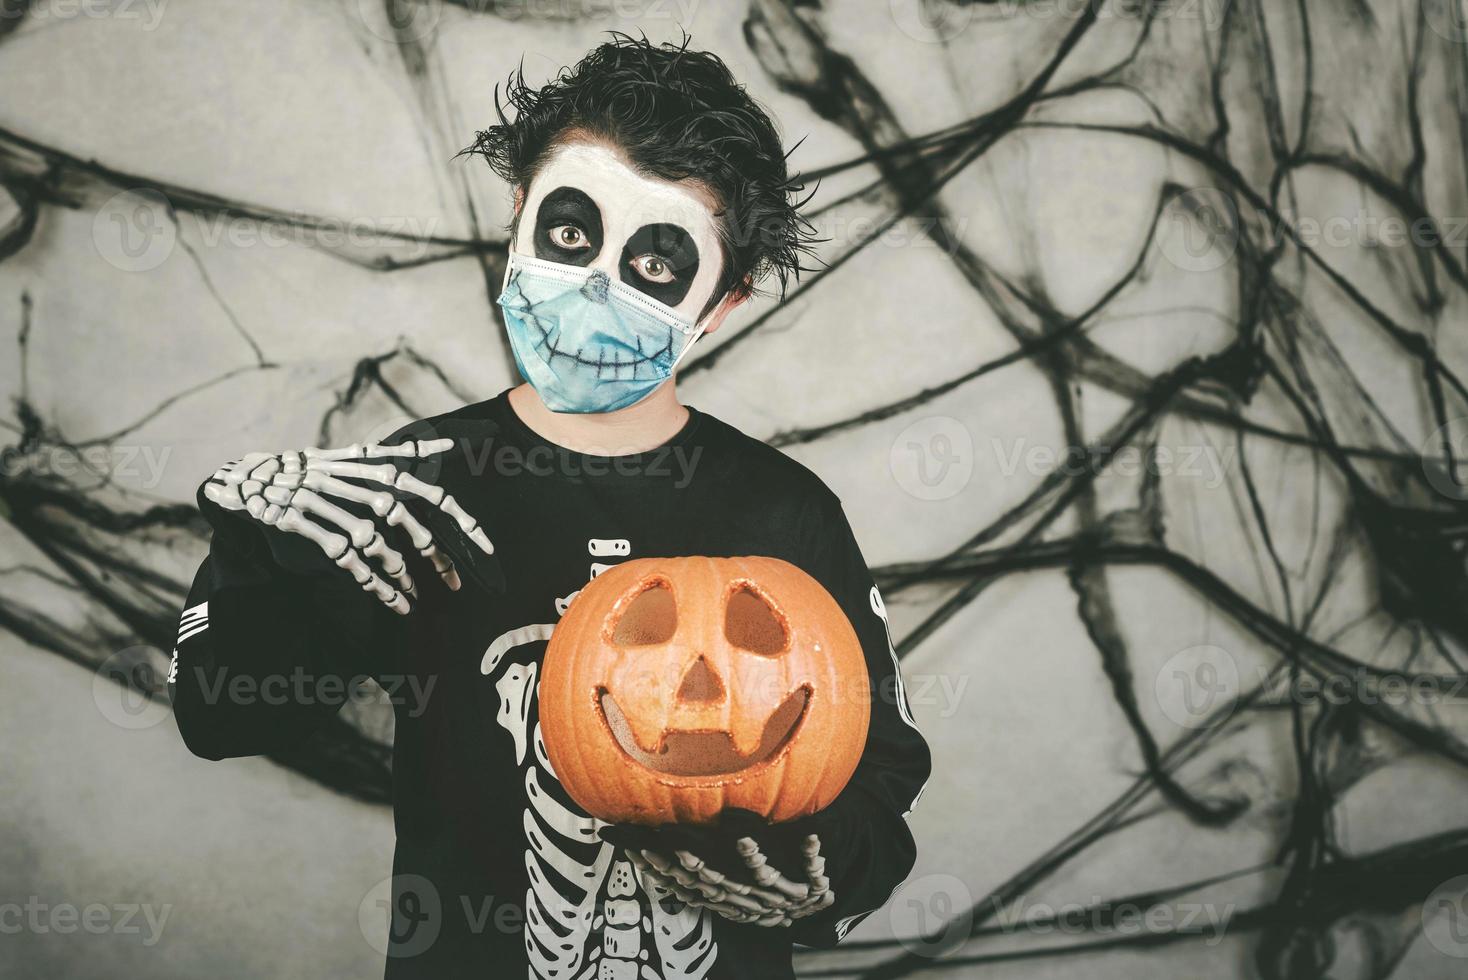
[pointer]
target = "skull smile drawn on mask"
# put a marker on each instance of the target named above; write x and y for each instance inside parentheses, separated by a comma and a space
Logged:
(608, 361)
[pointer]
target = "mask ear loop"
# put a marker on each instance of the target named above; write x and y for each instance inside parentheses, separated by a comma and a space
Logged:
(686, 348)
(509, 266)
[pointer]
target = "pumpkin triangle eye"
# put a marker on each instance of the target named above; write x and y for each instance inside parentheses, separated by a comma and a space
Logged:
(751, 623)
(650, 618)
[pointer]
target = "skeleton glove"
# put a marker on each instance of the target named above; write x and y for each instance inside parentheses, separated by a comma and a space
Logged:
(728, 867)
(302, 493)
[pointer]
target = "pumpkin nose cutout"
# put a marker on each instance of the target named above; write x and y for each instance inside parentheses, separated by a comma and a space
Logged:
(700, 685)
(595, 288)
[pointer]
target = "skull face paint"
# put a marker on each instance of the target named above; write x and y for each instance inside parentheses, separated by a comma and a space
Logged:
(607, 275)
(589, 208)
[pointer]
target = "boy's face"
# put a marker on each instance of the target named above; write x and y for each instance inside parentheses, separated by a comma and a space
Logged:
(588, 207)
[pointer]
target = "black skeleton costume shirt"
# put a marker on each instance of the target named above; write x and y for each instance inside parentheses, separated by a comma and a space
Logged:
(497, 872)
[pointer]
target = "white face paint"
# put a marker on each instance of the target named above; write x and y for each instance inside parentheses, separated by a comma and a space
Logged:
(589, 208)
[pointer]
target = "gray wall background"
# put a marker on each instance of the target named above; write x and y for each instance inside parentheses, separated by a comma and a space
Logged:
(1218, 245)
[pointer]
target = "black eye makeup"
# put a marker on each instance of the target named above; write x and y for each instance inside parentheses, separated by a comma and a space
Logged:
(568, 228)
(661, 261)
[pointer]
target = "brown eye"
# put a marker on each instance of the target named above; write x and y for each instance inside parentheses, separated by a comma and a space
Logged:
(653, 268)
(569, 236)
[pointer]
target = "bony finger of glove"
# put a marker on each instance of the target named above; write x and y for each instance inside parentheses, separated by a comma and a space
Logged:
(784, 847)
(730, 905)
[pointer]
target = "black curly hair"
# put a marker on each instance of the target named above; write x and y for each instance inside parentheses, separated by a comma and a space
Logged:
(677, 114)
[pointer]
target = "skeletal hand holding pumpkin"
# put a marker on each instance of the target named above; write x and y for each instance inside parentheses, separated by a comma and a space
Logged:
(733, 867)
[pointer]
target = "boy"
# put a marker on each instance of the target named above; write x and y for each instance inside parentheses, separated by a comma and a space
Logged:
(650, 197)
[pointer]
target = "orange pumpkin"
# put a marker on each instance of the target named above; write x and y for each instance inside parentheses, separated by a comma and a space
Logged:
(673, 688)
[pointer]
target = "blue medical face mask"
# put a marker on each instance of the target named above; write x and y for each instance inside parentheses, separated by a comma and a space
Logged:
(585, 343)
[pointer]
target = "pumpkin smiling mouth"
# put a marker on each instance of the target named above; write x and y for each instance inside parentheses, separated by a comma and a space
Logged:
(706, 753)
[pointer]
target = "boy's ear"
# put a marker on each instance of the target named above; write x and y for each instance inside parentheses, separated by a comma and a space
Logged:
(732, 301)
(519, 206)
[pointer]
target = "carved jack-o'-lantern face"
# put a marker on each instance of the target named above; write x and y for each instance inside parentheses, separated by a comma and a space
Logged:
(674, 688)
